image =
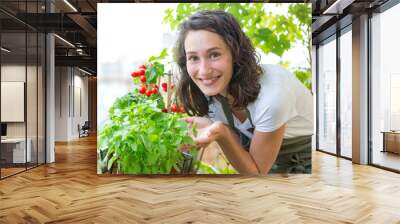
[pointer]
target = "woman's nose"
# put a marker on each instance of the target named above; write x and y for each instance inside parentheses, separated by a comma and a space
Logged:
(204, 67)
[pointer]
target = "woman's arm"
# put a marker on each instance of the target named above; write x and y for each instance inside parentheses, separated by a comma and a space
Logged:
(263, 151)
(264, 147)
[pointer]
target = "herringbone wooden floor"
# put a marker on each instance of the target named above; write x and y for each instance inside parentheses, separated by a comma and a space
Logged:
(70, 191)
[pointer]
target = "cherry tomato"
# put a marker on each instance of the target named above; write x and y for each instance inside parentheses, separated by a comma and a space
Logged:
(143, 78)
(164, 85)
(142, 89)
(174, 108)
(154, 90)
(134, 74)
(142, 67)
(148, 92)
(141, 72)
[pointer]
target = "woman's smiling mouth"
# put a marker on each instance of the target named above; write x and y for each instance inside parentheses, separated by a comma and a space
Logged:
(210, 81)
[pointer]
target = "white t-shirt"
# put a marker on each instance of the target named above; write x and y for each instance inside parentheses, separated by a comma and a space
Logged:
(282, 99)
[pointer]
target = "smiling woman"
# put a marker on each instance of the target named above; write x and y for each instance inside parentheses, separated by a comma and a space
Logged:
(260, 115)
(209, 61)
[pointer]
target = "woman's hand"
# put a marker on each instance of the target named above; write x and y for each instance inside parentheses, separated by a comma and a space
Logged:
(207, 130)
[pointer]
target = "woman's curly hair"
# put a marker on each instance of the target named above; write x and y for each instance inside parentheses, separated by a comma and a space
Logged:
(244, 85)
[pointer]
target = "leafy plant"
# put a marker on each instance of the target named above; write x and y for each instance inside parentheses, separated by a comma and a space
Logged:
(141, 136)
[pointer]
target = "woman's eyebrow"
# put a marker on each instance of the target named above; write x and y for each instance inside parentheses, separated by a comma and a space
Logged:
(208, 50)
(213, 48)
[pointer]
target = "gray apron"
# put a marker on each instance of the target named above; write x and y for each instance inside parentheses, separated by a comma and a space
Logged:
(294, 155)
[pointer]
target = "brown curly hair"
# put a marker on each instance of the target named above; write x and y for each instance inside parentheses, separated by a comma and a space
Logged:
(244, 85)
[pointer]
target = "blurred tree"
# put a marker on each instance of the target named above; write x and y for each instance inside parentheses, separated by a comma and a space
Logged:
(302, 12)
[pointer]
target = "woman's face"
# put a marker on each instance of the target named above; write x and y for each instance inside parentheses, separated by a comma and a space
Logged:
(208, 61)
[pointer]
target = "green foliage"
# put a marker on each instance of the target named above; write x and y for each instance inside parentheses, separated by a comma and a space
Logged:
(302, 13)
(304, 76)
(154, 71)
(140, 138)
(162, 56)
(204, 168)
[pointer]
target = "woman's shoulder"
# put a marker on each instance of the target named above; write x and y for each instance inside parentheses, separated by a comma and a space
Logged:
(274, 81)
(278, 89)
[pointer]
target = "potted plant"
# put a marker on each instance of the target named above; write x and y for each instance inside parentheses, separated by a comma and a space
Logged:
(144, 133)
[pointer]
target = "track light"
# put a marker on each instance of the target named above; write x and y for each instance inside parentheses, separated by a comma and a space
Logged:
(84, 71)
(64, 40)
(5, 50)
(70, 5)
(337, 7)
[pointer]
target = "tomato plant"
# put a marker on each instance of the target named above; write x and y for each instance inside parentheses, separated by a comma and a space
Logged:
(142, 136)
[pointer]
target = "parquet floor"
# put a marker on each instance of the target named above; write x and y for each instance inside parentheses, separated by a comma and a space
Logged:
(70, 191)
(9, 171)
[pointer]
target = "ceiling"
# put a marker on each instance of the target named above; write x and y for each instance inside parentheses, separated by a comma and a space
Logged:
(330, 15)
(74, 21)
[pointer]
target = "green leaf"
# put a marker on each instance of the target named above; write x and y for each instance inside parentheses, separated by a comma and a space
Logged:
(163, 55)
(111, 162)
(205, 168)
(153, 138)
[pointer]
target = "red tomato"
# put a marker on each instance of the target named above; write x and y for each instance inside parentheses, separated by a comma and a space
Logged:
(164, 85)
(142, 89)
(174, 108)
(154, 90)
(143, 78)
(134, 74)
(148, 92)
(142, 67)
(141, 72)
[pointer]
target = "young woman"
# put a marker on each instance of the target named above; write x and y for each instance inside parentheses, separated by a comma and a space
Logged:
(261, 116)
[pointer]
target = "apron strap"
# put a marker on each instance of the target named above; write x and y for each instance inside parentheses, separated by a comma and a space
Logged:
(244, 140)
(227, 110)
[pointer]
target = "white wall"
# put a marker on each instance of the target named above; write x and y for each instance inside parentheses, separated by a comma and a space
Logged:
(71, 94)
(61, 103)
(34, 124)
(314, 91)
(80, 100)
(16, 73)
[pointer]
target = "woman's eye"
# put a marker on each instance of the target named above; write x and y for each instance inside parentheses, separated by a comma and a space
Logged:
(192, 58)
(215, 55)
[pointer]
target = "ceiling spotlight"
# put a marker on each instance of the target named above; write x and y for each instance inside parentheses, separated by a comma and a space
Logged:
(5, 50)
